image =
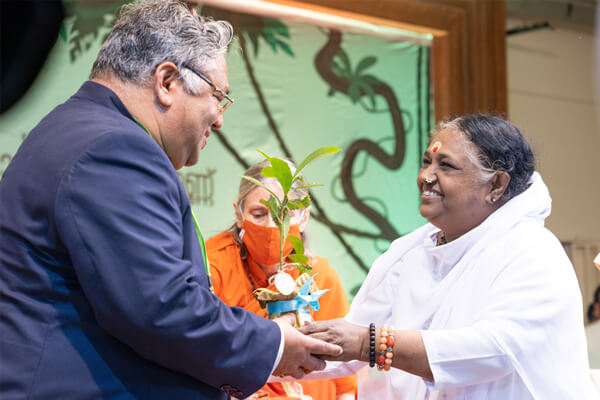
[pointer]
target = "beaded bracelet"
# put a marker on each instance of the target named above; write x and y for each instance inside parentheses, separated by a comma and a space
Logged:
(371, 344)
(384, 362)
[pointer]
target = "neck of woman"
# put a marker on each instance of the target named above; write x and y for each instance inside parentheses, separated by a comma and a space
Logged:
(269, 270)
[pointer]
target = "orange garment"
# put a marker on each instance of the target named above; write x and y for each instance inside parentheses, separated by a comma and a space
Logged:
(233, 286)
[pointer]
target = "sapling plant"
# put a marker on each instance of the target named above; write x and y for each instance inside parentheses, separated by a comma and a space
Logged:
(280, 207)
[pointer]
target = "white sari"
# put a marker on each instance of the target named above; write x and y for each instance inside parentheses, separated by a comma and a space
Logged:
(499, 310)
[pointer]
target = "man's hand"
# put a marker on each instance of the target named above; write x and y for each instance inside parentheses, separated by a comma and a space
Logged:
(354, 339)
(300, 352)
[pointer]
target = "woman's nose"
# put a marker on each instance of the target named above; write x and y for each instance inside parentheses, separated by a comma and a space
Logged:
(269, 222)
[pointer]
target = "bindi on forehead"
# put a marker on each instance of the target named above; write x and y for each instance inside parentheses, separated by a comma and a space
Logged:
(436, 146)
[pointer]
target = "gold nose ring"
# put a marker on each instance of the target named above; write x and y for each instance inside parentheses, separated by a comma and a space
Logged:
(428, 180)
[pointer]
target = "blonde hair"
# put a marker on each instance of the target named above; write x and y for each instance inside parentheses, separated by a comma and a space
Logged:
(246, 186)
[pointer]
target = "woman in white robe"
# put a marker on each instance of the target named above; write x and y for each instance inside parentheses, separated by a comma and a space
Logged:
(483, 299)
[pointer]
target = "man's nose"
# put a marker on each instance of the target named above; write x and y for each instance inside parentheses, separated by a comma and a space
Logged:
(218, 124)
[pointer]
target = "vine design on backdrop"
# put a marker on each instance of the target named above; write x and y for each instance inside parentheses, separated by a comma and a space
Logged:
(80, 31)
(334, 66)
(87, 25)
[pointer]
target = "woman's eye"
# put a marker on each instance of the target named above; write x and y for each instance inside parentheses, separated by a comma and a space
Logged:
(259, 215)
(447, 165)
(425, 162)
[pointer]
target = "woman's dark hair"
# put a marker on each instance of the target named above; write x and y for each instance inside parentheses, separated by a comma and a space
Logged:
(501, 147)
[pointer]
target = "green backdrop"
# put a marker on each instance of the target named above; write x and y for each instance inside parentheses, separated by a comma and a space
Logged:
(296, 87)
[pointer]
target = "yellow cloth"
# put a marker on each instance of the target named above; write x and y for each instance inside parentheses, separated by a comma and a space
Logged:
(232, 285)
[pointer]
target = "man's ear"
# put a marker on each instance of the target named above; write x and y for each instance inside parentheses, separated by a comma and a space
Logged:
(166, 78)
(499, 184)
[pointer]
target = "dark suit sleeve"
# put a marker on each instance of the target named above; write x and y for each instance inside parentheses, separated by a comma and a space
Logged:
(121, 218)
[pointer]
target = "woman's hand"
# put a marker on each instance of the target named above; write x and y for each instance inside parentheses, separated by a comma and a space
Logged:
(409, 351)
(353, 339)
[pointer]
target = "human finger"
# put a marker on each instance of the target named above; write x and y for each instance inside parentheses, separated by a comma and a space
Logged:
(319, 347)
(314, 327)
(298, 373)
(313, 363)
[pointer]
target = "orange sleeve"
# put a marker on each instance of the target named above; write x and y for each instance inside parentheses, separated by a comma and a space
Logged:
(346, 384)
(215, 274)
(230, 281)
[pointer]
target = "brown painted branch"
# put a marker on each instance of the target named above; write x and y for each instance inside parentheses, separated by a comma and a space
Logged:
(275, 129)
(323, 62)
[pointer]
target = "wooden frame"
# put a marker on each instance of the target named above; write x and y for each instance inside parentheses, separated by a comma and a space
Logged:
(468, 50)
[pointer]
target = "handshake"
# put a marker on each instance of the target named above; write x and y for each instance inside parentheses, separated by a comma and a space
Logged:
(306, 348)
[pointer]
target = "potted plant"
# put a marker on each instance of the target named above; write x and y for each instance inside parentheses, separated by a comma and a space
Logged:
(302, 294)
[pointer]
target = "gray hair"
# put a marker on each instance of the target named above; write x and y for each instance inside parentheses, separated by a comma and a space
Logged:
(495, 145)
(149, 32)
(475, 156)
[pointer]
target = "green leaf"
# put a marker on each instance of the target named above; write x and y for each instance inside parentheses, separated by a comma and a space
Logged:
(268, 172)
(273, 206)
(304, 269)
(286, 225)
(353, 92)
(253, 36)
(365, 63)
(338, 69)
(301, 203)
(256, 182)
(345, 60)
(370, 79)
(264, 155)
(285, 47)
(270, 38)
(309, 186)
(298, 246)
(63, 33)
(368, 91)
(300, 259)
(282, 172)
(315, 155)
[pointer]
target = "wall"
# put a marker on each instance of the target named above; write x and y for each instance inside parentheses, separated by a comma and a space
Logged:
(551, 99)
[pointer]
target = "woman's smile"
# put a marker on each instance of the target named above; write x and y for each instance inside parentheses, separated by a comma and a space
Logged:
(427, 194)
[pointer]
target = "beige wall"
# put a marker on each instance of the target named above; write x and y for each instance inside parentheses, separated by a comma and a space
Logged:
(551, 99)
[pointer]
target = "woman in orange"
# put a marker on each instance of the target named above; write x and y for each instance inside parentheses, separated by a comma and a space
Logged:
(243, 259)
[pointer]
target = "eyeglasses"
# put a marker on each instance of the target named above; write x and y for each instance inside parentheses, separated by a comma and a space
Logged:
(225, 101)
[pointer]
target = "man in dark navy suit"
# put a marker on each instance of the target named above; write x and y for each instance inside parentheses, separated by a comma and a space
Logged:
(104, 290)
